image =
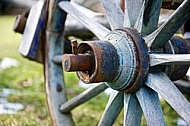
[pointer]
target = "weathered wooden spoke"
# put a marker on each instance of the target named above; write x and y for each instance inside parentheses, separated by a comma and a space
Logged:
(168, 59)
(82, 98)
(114, 13)
(164, 86)
(148, 20)
(160, 37)
(112, 110)
(151, 107)
(99, 30)
(131, 15)
(132, 110)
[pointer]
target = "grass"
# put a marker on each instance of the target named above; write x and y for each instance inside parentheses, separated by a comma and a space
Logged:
(27, 80)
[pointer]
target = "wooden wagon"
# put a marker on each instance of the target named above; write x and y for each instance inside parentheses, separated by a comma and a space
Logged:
(133, 56)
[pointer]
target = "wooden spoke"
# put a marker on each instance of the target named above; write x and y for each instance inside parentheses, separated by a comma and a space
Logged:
(99, 30)
(114, 13)
(164, 86)
(150, 105)
(85, 10)
(168, 59)
(148, 20)
(82, 98)
(131, 15)
(160, 37)
(112, 110)
(132, 110)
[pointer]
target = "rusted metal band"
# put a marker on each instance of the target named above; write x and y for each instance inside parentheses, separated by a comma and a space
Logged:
(105, 61)
(142, 58)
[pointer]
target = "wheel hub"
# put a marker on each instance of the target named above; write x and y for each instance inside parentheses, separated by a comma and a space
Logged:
(121, 60)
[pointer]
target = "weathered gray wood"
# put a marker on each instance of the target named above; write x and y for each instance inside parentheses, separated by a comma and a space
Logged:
(99, 30)
(183, 85)
(30, 44)
(186, 36)
(132, 10)
(58, 59)
(114, 13)
(112, 110)
(85, 10)
(151, 107)
(87, 3)
(164, 86)
(168, 59)
(160, 37)
(73, 27)
(132, 110)
(55, 89)
(82, 98)
(147, 22)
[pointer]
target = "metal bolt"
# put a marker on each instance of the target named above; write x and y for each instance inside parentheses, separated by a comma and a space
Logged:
(74, 45)
(19, 24)
(59, 88)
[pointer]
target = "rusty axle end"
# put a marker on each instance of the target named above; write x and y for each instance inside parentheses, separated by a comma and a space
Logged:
(79, 62)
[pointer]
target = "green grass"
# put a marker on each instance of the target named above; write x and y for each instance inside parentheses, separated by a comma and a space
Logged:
(27, 79)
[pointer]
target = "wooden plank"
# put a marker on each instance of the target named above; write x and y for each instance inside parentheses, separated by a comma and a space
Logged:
(168, 59)
(114, 13)
(147, 22)
(151, 107)
(132, 110)
(55, 88)
(82, 98)
(165, 87)
(161, 36)
(112, 110)
(99, 30)
(30, 44)
(132, 10)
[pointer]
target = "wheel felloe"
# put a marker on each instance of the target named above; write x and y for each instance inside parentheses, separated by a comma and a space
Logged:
(177, 45)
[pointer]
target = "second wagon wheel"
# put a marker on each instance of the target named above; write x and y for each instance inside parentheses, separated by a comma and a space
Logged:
(136, 59)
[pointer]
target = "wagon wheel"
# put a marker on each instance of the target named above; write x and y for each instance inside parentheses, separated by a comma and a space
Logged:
(141, 69)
